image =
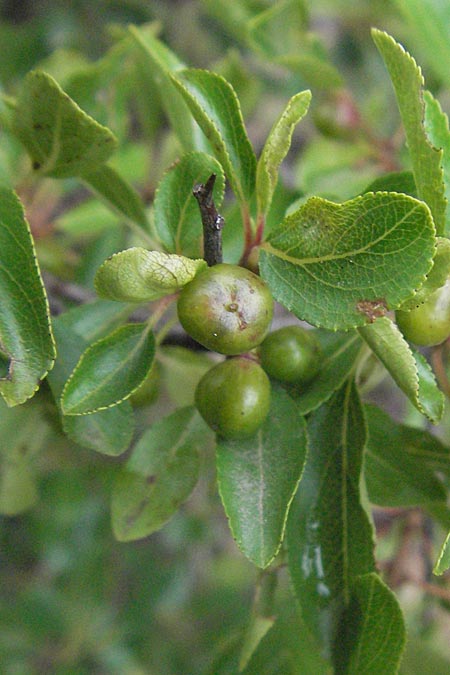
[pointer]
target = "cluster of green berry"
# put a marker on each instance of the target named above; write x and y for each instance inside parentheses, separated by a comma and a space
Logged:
(228, 309)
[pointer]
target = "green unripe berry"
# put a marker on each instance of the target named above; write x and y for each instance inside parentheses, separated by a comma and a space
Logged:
(227, 309)
(429, 323)
(234, 397)
(291, 354)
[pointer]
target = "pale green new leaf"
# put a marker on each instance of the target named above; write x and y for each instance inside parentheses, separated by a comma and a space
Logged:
(371, 635)
(443, 561)
(177, 220)
(159, 476)
(109, 370)
(117, 193)
(215, 106)
(258, 478)
(340, 265)
(276, 148)
(436, 126)
(27, 350)
(408, 369)
(329, 536)
(407, 80)
(139, 275)
(60, 138)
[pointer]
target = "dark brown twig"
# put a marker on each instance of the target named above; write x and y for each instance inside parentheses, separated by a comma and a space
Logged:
(212, 221)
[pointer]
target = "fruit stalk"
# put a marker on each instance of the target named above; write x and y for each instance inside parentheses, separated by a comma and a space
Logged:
(212, 221)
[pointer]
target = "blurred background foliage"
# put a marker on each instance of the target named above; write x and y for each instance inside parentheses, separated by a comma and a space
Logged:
(73, 600)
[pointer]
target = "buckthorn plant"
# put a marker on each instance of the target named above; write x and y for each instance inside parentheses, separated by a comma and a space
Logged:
(224, 322)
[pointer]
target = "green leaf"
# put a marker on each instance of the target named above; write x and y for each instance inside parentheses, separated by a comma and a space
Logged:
(443, 561)
(402, 463)
(340, 265)
(182, 369)
(339, 353)
(159, 476)
(372, 633)
(258, 478)
(278, 30)
(117, 193)
(109, 370)
(437, 129)
(176, 213)
(159, 61)
(139, 275)
(329, 536)
(408, 368)
(436, 277)
(108, 431)
(276, 148)
(215, 106)
(395, 181)
(26, 342)
(60, 138)
(407, 80)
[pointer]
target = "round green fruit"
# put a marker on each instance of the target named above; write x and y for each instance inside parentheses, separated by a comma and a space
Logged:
(429, 323)
(234, 397)
(227, 309)
(291, 354)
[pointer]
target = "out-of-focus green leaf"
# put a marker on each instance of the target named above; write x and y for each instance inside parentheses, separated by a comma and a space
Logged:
(109, 370)
(278, 30)
(426, 160)
(177, 219)
(159, 476)
(276, 148)
(329, 536)
(26, 343)
(139, 275)
(339, 352)
(423, 656)
(395, 181)
(160, 61)
(371, 635)
(340, 265)
(437, 129)
(258, 478)
(60, 138)
(402, 463)
(182, 370)
(117, 193)
(215, 106)
(408, 368)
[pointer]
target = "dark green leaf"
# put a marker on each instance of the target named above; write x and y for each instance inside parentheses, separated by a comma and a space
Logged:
(339, 352)
(436, 277)
(139, 275)
(109, 431)
(116, 192)
(159, 61)
(329, 536)
(258, 478)
(436, 127)
(339, 265)
(60, 138)
(177, 219)
(402, 463)
(159, 476)
(407, 80)
(396, 181)
(408, 368)
(26, 342)
(276, 148)
(215, 106)
(109, 370)
(372, 634)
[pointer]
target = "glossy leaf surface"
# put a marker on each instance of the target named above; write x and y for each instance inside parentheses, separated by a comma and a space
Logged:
(139, 275)
(214, 105)
(258, 478)
(408, 368)
(60, 138)
(159, 476)
(329, 536)
(109, 370)
(26, 344)
(340, 265)
(177, 218)
(407, 80)
(276, 148)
